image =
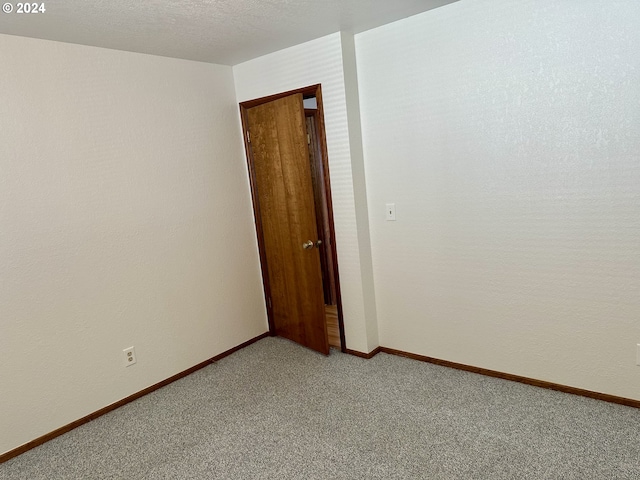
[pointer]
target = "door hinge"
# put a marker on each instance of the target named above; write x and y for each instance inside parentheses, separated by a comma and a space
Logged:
(269, 302)
(248, 137)
(308, 139)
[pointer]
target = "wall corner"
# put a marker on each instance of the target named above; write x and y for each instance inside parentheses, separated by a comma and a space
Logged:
(347, 42)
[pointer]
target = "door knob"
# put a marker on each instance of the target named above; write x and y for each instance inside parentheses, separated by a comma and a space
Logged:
(318, 243)
(307, 245)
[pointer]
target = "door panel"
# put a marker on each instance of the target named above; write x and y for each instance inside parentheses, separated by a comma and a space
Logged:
(280, 156)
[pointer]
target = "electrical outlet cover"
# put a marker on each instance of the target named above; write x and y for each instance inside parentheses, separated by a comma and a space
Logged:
(129, 356)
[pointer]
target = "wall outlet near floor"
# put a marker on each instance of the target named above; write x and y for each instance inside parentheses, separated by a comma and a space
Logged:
(129, 356)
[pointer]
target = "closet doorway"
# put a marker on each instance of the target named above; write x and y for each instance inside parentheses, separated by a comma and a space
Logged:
(289, 174)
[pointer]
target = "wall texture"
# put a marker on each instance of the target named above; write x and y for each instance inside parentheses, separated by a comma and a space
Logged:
(126, 220)
(321, 61)
(508, 135)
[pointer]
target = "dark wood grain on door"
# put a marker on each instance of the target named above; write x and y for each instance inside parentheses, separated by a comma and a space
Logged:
(280, 157)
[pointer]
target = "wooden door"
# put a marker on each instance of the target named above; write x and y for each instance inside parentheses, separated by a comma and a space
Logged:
(285, 205)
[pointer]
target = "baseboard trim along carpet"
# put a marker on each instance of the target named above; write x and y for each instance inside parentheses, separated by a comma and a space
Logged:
(514, 378)
(369, 355)
(92, 416)
(445, 363)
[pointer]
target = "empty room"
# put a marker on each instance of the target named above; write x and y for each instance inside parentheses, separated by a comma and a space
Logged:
(320, 239)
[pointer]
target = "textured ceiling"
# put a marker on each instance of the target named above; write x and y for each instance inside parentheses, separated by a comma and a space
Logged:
(218, 31)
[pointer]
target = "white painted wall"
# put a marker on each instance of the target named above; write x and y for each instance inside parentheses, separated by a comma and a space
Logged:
(125, 220)
(508, 135)
(321, 61)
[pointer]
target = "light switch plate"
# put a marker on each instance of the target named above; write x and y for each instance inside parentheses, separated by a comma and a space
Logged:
(391, 211)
